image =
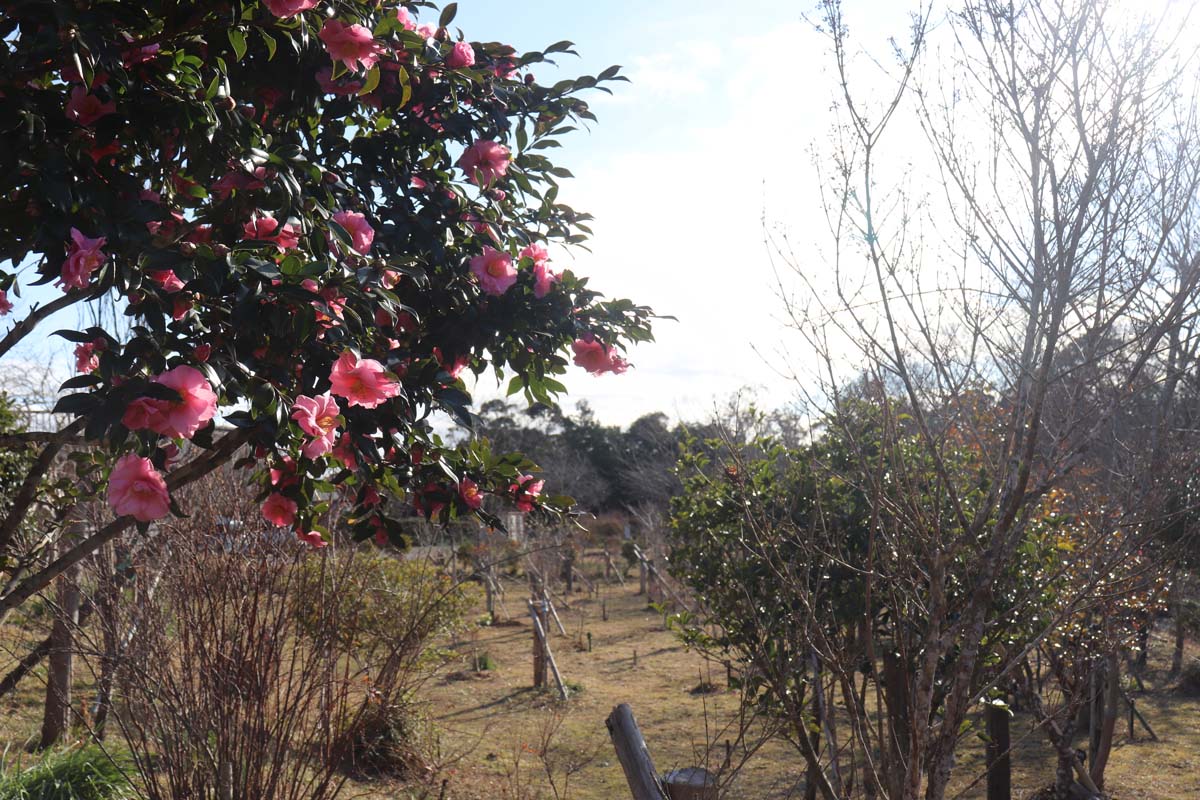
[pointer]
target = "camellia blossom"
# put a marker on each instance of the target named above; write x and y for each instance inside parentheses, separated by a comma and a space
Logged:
(86, 359)
(318, 417)
(361, 232)
(267, 229)
(495, 271)
(484, 161)
(197, 405)
(312, 539)
(278, 510)
(353, 45)
(344, 452)
(83, 257)
(468, 490)
(406, 20)
(596, 357)
(463, 55)
(6, 305)
(362, 381)
(167, 279)
(526, 491)
(86, 109)
(136, 489)
(543, 276)
(285, 9)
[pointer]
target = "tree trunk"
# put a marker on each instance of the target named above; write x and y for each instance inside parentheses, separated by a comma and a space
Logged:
(1108, 724)
(56, 718)
(1177, 617)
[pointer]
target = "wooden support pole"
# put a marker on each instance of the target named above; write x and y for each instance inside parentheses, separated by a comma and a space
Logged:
(999, 743)
(547, 657)
(634, 756)
(554, 613)
(539, 649)
(608, 559)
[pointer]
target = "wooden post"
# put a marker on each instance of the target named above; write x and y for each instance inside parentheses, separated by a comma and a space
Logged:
(611, 566)
(641, 576)
(539, 648)
(999, 764)
(633, 755)
(604, 610)
(539, 633)
(546, 604)
(690, 783)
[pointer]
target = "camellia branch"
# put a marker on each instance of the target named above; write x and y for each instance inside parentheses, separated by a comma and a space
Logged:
(26, 326)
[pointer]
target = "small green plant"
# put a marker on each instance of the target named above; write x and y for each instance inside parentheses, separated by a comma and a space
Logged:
(483, 662)
(76, 774)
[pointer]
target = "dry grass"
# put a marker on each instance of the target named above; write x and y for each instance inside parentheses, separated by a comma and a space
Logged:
(491, 726)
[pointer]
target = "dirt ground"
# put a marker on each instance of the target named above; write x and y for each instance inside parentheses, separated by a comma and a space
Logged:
(492, 724)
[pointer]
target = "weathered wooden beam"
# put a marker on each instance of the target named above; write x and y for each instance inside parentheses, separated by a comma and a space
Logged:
(634, 756)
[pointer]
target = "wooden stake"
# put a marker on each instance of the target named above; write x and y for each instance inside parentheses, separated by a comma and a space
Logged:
(548, 656)
(633, 755)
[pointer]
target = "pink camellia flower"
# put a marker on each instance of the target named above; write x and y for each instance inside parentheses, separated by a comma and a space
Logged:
(361, 232)
(429, 500)
(341, 86)
(312, 539)
(406, 20)
(543, 275)
(504, 68)
(167, 279)
(267, 229)
(285, 9)
(6, 305)
(427, 30)
(353, 45)
(85, 108)
(596, 357)
(83, 257)
(463, 55)
(236, 180)
(180, 307)
(454, 368)
(362, 381)
(142, 414)
(139, 55)
(468, 490)
(484, 161)
(591, 355)
(344, 452)
(495, 271)
(318, 417)
(196, 406)
(278, 510)
(526, 491)
(136, 489)
(86, 359)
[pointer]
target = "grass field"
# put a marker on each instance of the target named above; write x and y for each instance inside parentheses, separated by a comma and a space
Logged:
(491, 728)
(494, 721)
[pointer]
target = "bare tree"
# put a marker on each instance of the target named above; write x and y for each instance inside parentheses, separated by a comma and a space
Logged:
(974, 365)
